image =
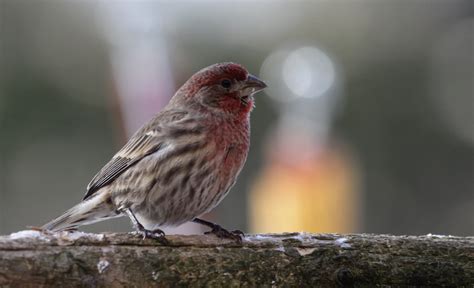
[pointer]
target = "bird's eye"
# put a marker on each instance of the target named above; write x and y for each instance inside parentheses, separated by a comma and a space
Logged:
(226, 83)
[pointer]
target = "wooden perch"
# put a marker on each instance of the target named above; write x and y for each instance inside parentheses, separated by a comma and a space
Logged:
(33, 259)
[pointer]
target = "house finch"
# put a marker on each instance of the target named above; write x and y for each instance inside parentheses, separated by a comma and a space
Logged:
(181, 163)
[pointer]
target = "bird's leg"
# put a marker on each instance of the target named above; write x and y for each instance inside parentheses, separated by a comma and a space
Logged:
(156, 234)
(219, 231)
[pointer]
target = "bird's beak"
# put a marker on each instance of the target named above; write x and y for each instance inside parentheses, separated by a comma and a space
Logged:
(252, 85)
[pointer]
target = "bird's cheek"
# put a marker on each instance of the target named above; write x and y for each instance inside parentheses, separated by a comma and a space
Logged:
(229, 103)
(211, 101)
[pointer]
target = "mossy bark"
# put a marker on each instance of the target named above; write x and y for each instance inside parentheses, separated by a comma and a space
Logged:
(277, 260)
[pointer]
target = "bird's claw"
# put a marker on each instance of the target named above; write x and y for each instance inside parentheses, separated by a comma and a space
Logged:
(156, 234)
(223, 233)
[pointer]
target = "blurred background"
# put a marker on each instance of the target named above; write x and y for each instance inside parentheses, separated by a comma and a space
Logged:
(367, 124)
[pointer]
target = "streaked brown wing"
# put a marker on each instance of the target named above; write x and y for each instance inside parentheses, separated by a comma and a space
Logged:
(134, 151)
(149, 139)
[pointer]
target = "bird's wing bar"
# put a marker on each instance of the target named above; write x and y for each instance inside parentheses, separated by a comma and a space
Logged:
(149, 139)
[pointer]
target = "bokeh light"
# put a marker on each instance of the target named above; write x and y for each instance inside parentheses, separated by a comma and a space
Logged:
(305, 72)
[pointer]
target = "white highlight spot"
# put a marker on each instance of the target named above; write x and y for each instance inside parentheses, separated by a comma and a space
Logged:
(28, 234)
(257, 237)
(102, 265)
(280, 248)
(297, 74)
(305, 251)
(75, 235)
(342, 242)
(437, 236)
(303, 237)
(152, 133)
(305, 72)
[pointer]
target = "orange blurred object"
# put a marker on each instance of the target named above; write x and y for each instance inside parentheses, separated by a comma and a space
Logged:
(314, 193)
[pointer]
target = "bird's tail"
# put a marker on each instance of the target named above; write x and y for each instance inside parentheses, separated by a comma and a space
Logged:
(89, 211)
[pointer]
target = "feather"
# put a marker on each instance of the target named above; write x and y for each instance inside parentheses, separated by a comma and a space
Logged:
(148, 140)
(86, 212)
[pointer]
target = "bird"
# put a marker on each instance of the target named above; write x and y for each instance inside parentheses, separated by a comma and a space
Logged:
(181, 163)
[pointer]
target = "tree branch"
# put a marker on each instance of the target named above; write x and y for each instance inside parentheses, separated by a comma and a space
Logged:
(32, 259)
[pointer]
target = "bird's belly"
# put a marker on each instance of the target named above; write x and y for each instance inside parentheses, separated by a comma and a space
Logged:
(165, 216)
(172, 211)
(168, 206)
(173, 195)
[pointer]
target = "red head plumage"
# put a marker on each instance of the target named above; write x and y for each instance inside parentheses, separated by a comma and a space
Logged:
(213, 75)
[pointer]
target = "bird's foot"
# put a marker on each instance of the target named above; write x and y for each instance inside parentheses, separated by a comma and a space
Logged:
(156, 234)
(223, 233)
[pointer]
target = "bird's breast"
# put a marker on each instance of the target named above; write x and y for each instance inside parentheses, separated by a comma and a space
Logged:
(232, 143)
